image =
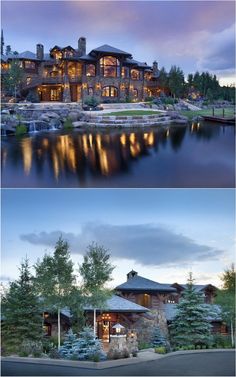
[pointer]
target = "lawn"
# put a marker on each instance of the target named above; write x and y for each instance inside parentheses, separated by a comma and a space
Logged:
(132, 112)
(217, 112)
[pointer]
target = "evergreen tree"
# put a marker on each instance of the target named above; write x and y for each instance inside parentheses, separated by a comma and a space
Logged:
(86, 347)
(191, 325)
(96, 271)
(176, 81)
(157, 338)
(163, 78)
(55, 281)
(21, 311)
(13, 78)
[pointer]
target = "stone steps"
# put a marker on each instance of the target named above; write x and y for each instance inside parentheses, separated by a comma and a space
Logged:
(114, 106)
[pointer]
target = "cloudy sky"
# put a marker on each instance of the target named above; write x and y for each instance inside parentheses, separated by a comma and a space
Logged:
(196, 35)
(162, 234)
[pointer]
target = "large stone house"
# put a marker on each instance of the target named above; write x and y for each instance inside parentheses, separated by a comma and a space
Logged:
(70, 74)
(140, 301)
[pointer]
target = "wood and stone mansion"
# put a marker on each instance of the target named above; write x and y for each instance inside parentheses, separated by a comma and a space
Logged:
(137, 303)
(71, 75)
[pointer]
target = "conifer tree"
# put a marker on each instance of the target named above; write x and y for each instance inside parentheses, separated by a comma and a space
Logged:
(191, 325)
(157, 338)
(22, 320)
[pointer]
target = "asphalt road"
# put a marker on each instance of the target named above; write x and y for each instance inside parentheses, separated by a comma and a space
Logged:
(198, 364)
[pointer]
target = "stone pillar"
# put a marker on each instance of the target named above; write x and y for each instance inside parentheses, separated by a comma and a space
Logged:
(118, 342)
(66, 90)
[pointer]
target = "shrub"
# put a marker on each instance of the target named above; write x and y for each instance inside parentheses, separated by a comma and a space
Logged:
(47, 345)
(68, 124)
(91, 101)
(144, 345)
(160, 350)
(21, 129)
(148, 99)
(221, 341)
(30, 347)
(54, 354)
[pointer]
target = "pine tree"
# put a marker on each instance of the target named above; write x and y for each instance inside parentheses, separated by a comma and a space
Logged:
(191, 325)
(157, 338)
(22, 320)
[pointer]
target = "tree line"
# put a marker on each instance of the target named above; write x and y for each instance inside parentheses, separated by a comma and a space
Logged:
(206, 84)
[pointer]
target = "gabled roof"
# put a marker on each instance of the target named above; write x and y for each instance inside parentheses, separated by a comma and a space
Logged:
(214, 312)
(120, 304)
(138, 283)
(137, 63)
(27, 55)
(197, 287)
(110, 50)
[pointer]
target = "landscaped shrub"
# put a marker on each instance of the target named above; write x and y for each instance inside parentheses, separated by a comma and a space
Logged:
(144, 345)
(157, 338)
(68, 125)
(21, 129)
(91, 101)
(86, 347)
(160, 350)
(221, 341)
(54, 354)
(47, 344)
(30, 347)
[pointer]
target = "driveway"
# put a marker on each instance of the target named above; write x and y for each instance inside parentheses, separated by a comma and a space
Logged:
(194, 364)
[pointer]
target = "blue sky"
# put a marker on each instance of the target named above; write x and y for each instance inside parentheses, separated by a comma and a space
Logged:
(192, 34)
(162, 234)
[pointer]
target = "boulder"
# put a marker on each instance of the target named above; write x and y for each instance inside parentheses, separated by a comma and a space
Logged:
(74, 115)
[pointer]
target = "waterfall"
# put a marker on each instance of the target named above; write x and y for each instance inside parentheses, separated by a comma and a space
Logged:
(32, 127)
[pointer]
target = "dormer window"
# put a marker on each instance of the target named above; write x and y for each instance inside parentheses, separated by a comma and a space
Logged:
(109, 66)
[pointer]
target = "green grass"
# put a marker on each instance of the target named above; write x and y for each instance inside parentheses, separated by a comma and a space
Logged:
(132, 112)
(217, 112)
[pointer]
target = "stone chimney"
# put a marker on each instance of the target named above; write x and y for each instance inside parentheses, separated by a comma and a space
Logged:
(39, 51)
(155, 69)
(131, 274)
(82, 46)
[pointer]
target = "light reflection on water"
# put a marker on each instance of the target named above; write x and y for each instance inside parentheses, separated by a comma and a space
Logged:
(180, 156)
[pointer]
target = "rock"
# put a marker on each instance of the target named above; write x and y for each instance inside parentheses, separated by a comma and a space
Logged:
(74, 115)
(51, 114)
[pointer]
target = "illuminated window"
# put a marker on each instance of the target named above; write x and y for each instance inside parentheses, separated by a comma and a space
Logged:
(135, 93)
(90, 91)
(144, 300)
(110, 66)
(134, 74)
(90, 70)
(125, 72)
(29, 64)
(110, 91)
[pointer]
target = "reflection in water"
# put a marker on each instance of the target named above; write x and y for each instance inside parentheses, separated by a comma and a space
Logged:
(81, 156)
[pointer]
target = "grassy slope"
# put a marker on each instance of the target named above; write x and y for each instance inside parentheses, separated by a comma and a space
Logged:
(132, 112)
(218, 112)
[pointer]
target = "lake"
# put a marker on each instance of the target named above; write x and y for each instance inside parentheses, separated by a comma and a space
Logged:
(197, 155)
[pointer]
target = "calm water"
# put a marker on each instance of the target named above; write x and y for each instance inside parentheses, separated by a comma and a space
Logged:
(186, 156)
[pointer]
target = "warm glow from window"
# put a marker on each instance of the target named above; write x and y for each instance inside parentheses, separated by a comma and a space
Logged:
(90, 70)
(110, 66)
(110, 91)
(134, 74)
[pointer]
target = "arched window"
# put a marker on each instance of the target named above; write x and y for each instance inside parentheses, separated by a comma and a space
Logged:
(90, 70)
(109, 91)
(109, 66)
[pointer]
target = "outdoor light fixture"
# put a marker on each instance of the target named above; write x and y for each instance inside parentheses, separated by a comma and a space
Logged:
(118, 327)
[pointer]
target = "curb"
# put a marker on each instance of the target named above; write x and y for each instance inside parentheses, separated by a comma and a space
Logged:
(109, 363)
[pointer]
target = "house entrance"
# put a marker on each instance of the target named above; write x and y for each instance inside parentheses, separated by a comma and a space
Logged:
(104, 326)
(55, 94)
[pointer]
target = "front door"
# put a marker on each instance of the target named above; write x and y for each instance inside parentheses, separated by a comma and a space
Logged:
(55, 95)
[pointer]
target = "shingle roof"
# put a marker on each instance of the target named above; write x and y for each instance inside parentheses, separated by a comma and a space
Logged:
(110, 50)
(87, 57)
(27, 55)
(215, 312)
(197, 287)
(136, 62)
(139, 283)
(120, 304)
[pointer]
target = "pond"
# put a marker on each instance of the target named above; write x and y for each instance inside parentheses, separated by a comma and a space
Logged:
(197, 155)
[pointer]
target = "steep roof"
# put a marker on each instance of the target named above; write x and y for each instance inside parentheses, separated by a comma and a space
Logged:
(138, 283)
(137, 63)
(214, 311)
(197, 287)
(110, 50)
(120, 304)
(27, 55)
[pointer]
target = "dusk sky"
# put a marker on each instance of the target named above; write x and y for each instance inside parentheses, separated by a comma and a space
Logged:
(196, 35)
(162, 234)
